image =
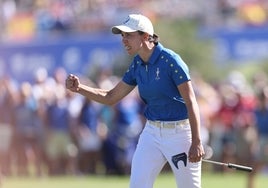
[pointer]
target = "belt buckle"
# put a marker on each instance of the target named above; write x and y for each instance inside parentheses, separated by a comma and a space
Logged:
(163, 124)
(169, 125)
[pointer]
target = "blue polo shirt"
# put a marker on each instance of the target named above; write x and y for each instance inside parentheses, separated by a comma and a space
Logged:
(157, 82)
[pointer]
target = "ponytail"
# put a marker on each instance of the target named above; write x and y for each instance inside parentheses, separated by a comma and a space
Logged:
(154, 38)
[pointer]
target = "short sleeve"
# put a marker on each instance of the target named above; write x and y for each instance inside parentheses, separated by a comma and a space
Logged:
(179, 71)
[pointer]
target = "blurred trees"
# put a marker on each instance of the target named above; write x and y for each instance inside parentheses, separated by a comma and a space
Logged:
(182, 36)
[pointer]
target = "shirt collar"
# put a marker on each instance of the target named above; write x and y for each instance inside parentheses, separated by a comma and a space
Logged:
(157, 51)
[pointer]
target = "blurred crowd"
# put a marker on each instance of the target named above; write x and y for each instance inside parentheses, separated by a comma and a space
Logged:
(58, 132)
(25, 19)
(47, 130)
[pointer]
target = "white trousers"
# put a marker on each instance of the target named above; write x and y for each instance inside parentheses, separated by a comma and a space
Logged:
(158, 145)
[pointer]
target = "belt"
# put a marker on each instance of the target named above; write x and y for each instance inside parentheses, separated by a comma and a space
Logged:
(168, 124)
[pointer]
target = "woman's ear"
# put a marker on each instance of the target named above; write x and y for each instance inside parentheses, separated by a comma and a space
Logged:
(146, 36)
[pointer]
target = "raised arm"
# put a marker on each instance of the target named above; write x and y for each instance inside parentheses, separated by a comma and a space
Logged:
(107, 97)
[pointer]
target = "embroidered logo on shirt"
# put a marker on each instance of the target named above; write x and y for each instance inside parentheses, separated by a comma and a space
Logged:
(157, 74)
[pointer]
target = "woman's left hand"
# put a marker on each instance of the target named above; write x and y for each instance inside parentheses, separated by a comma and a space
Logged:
(196, 152)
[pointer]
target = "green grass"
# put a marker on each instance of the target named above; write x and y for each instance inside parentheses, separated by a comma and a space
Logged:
(210, 180)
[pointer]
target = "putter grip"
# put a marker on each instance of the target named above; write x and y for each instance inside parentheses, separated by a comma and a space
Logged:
(239, 167)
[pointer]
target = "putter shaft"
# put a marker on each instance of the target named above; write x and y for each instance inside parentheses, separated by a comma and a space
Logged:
(230, 165)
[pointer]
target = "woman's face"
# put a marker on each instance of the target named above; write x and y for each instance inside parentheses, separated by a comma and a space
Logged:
(132, 42)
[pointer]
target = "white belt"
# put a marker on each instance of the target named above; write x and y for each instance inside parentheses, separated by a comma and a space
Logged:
(169, 124)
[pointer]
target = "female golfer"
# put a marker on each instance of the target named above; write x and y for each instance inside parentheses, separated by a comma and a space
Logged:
(172, 130)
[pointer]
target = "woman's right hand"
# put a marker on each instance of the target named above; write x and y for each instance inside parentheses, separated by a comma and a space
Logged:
(72, 83)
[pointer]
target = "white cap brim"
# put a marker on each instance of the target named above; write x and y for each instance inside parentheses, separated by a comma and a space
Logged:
(122, 28)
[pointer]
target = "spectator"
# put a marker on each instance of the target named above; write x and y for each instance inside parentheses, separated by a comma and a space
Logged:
(123, 136)
(222, 130)
(7, 91)
(89, 139)
(28, 131)
(60, 148)
(261, 122)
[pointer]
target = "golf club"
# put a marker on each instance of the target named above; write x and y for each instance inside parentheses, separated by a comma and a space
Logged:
(209, 153)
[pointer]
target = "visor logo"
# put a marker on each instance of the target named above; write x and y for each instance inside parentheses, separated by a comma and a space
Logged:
(127, 20)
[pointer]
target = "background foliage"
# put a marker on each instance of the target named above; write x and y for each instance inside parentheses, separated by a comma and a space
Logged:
(182, 36)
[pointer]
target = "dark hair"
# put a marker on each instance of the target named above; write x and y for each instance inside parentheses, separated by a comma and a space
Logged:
(154, 38)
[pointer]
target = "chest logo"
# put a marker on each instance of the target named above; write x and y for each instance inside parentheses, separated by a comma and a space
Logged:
(157, 74)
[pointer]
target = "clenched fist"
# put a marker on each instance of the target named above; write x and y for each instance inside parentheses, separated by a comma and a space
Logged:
(72, 83)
